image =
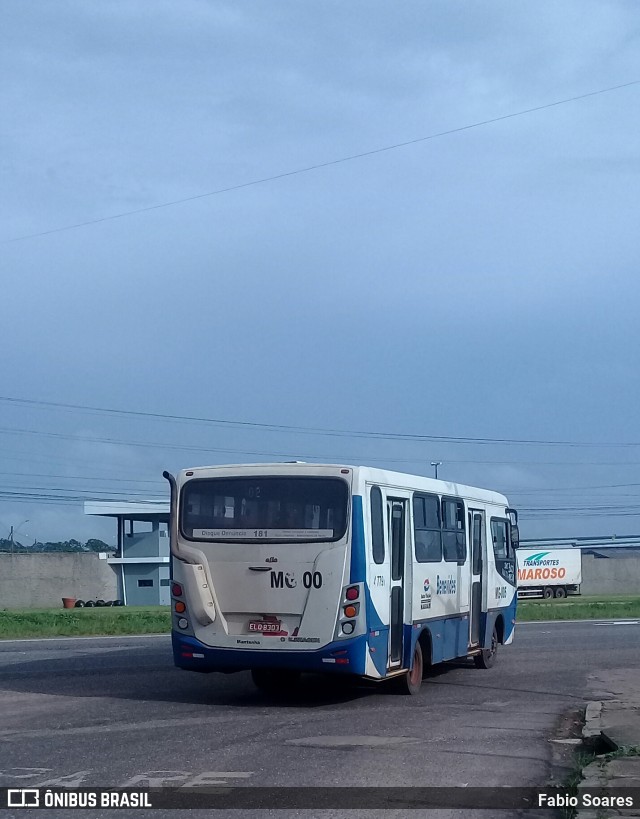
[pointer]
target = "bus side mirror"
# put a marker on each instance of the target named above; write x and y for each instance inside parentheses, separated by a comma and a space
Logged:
(513, 525)
(515, 536)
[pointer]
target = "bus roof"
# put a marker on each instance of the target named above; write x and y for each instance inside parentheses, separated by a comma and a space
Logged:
(368, 474)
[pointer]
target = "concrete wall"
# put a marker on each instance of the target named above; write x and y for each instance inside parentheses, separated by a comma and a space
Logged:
(610, 575)
(42, 580)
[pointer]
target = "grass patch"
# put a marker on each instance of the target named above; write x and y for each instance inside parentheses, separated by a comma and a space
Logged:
(23, 623)
(580, 608)
(621, 753)
(582, 759)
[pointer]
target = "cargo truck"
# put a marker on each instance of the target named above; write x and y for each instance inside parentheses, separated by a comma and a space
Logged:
(550, 573)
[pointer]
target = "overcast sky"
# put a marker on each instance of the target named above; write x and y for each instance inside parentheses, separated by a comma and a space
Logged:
(481, 284)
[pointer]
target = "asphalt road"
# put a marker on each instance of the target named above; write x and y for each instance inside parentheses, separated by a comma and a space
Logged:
(115, 712)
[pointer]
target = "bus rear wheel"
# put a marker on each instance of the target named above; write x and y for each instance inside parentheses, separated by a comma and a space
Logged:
(410, 682)
(273, 681)
(487, 656)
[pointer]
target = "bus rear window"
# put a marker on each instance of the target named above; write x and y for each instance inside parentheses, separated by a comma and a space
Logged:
(267, 509)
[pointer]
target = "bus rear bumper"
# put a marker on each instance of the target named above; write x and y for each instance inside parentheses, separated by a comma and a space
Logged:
(343, 657)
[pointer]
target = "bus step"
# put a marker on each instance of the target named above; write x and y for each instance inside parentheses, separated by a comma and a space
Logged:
(397, 672)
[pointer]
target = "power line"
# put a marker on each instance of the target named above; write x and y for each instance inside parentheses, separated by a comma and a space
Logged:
(550, 517)
(79, 494)
(69, 500)
(148, 493)
(571, 488)
(586, 508)
(25, 456)
(132, 493)
(319, 165)
(111, 479)
(75, 501)
(288, 428)
(322, 458)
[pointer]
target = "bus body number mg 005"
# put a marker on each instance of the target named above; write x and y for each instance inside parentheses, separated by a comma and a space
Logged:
(281, 580)
(310, 579)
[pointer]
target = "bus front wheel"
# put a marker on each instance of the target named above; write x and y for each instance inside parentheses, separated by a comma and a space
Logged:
(487, 656)
(273, 681)
(410, 682)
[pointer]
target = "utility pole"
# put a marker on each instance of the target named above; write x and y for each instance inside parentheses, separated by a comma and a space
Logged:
(436, 464)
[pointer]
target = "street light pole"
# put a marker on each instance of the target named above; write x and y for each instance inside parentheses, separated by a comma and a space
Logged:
(436, 464)
(13, 531)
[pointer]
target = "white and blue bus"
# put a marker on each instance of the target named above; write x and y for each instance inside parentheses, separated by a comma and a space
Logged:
(286, 568)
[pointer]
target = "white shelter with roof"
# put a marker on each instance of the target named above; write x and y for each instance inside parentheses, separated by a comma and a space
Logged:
(141, 561)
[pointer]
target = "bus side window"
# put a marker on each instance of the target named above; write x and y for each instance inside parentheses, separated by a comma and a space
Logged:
(499, 538)
(377, 525)
(477, 544)
(454, 536)
(427, 533)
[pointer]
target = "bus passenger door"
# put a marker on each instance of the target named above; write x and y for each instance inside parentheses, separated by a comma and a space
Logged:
(397, 523)
(478, 571)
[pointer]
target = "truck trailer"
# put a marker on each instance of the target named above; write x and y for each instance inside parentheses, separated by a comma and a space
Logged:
(549, 573)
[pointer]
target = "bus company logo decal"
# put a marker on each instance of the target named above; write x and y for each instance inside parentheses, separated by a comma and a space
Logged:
(539, 560)
(248, 642)
(446, 585)
(542, 574)
(271, 560)
(425, 597)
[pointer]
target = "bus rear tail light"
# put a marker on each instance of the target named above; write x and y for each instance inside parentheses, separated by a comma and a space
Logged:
(180, 607)
(183, 623)
(176, 590)
(351, 612)
(352, 592)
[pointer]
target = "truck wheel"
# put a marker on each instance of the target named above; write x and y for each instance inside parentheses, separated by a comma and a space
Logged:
(487, 656)
(561, 592)
(547, 593)
(410, 682)
(273, 681)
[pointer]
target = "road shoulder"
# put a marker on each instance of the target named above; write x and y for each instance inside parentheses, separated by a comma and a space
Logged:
(612, 730)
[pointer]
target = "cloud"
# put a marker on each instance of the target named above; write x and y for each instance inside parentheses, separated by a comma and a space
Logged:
(484, 282)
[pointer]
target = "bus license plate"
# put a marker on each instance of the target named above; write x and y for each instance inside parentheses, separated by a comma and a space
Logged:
(264, 625)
